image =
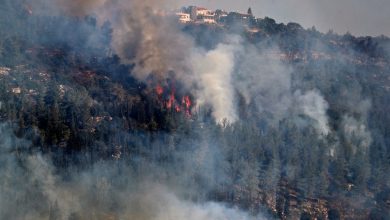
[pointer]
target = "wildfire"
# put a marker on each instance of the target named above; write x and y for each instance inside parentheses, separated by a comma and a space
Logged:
(177, 108)
(187, 103)
(159, 90)
(171, 101)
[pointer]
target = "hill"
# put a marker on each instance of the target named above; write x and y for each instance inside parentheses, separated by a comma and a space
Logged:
(269, 118)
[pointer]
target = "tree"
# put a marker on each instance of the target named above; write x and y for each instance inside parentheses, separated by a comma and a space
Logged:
(250, 11)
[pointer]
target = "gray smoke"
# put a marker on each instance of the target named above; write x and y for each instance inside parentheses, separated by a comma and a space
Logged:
(357, 134)
(313, 105)
(264, 80)
(355, 129)
(144, 34)
(143, 37)
(107, 189)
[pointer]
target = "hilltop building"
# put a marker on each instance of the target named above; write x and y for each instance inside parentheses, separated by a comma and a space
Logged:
(202, 11)
(183, 17)
(205, 16)
(208, 19)
(198, 11)
(196, 15)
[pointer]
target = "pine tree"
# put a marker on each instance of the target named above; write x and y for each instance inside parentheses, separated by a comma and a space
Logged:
(250, 11)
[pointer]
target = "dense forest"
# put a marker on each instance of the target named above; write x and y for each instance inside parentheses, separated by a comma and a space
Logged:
(306, 136)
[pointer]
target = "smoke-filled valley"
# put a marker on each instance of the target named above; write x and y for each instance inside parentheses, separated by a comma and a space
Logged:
(116, 110)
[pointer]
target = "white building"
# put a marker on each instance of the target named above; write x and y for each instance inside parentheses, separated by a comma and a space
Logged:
(201, 15)
(203, 11)
(208, 19)
(183, 17)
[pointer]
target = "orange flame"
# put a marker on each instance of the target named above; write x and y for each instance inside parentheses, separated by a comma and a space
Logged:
(187, 101)
(159, 90)
(187, 104)
(171, 101)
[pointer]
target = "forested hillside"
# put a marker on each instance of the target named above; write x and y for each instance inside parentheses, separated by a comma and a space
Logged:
(219, 122)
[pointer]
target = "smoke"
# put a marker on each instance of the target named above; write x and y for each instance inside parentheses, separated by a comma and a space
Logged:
(142, 36)
(143, 32)
(79, 7)
(264, 80)
(233, 77)
(313, 105)
(145, 35)
(215, 70)
(69, 7)
(355, 128)
(110, 189)
(356, 134)
(159, 48)
(167, 206)
(26, 179)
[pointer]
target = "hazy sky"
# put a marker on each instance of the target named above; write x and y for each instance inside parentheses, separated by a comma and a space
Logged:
(360, 17)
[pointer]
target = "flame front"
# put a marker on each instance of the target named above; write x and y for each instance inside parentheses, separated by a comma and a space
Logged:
(171, 102)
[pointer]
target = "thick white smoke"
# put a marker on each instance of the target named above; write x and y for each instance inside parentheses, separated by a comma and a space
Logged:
(313, 105)
(214, 69)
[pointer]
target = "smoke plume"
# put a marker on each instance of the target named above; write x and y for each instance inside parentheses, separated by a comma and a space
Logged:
(314, 106)
(264, 80)
(215, 70)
